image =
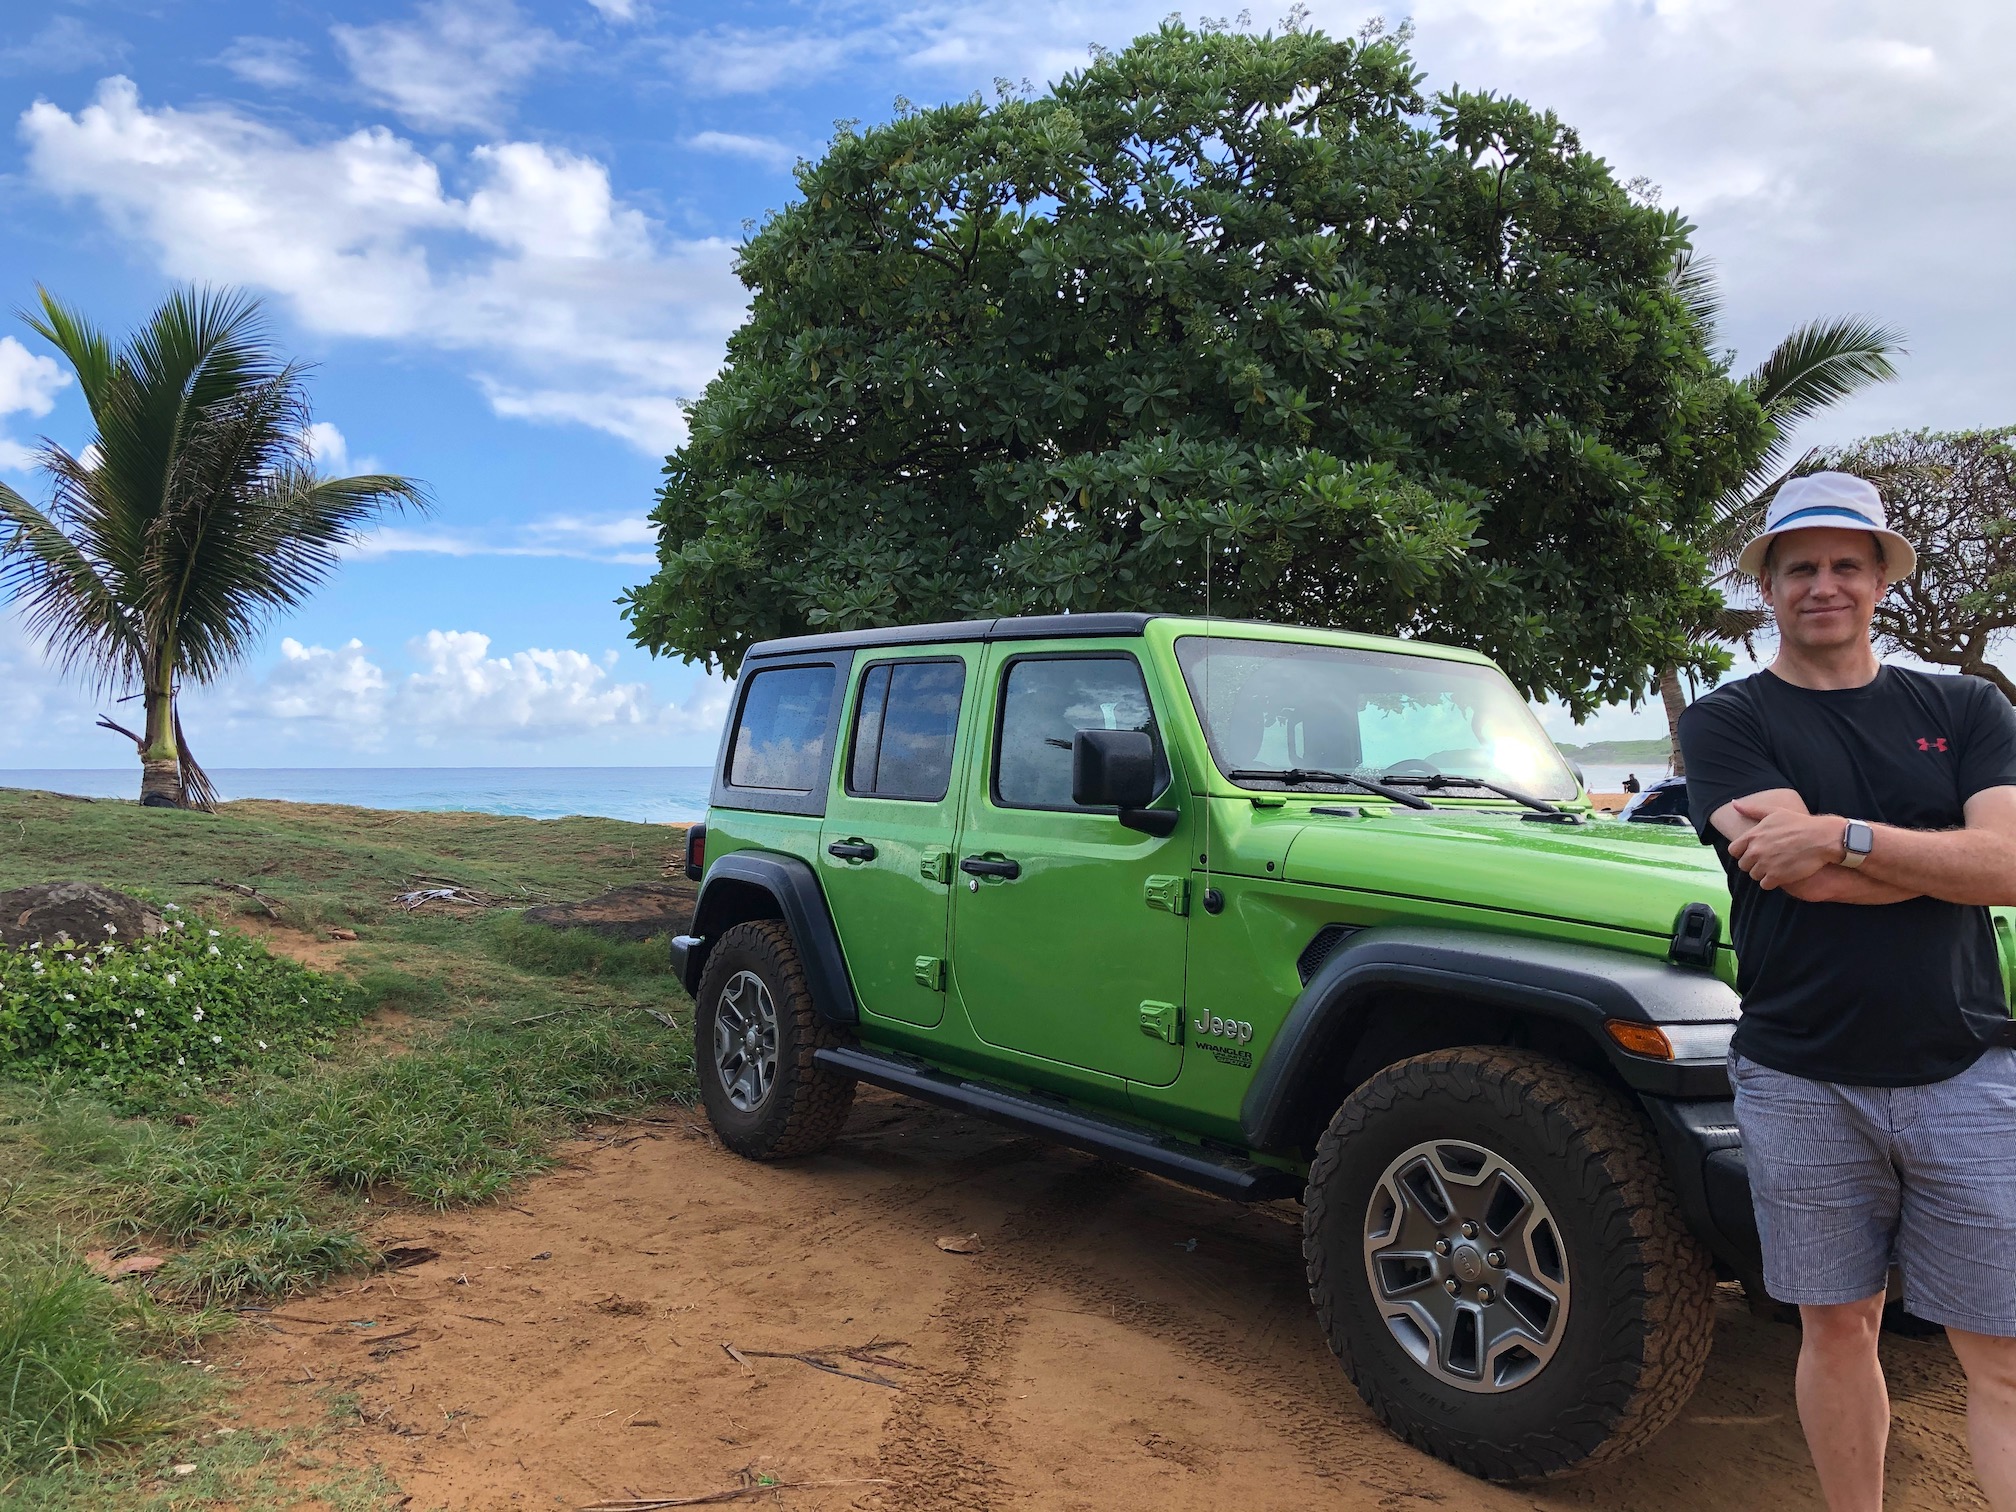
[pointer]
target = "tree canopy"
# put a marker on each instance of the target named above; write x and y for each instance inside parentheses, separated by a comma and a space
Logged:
(1222, 315)
(1952, 494)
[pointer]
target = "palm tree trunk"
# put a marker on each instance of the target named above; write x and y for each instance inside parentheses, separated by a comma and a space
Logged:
(1675, 699)
(160, 761)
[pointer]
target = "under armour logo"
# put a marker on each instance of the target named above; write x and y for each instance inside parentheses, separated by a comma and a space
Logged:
(1935, 743)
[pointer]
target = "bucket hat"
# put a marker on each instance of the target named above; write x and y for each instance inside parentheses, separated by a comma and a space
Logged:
(1830, 500)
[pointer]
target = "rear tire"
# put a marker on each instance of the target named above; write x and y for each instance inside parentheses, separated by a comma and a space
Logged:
(1580, 1322)
(754, 1033)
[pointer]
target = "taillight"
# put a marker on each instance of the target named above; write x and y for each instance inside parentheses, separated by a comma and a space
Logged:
(696, 851)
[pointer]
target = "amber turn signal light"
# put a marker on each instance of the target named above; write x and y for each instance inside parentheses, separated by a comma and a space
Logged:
(1640, 1039)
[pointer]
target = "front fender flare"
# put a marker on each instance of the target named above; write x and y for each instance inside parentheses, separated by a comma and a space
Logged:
(1581, 984)
(794, 896)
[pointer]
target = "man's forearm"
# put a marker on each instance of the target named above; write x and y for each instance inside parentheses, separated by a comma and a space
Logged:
(1838, 884)
(1976, 866)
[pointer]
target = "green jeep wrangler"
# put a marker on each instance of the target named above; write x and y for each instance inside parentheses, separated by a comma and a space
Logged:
(1275, 913)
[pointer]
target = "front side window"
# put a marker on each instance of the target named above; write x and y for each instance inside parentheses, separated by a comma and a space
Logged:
(905, 726)
(780, 740)
(1278, 705)
(1045, 701)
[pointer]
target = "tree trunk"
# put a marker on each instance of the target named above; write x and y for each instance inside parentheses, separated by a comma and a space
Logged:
(1675, 699)
(160, 761)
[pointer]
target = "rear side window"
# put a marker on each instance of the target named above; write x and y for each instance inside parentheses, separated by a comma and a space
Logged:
(1045, 701)
(780, 740)
(904, 728)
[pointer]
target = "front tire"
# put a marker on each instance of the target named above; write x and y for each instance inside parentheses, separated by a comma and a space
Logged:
(754, 1033)
(1498, 1260)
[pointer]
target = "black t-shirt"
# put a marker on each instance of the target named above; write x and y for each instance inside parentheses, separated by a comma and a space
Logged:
(1885, 995)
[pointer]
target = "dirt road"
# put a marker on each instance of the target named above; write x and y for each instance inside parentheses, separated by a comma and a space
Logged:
(1116, 1343)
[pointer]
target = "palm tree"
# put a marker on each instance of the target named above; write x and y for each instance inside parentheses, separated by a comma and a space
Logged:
(193, 516)
(1819, 364)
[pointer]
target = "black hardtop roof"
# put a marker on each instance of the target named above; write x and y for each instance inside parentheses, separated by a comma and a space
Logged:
(1024, 627)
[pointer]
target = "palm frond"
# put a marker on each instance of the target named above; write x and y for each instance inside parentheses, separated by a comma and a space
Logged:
(1693, 279)
(1822, 363)
(70, 606)
(87, 348)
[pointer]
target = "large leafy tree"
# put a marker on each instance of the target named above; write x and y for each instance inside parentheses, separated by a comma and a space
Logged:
(1953, 495)
(1228, 318)
(194, 514)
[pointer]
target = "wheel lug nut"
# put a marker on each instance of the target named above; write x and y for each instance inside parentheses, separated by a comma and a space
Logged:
(1451, 1286)
(1483, 1294)
(1469, 1231)
(1441, 1246)
(1496, 1259)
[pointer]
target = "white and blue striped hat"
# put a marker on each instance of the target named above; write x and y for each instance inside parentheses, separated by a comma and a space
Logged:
(1830, 501)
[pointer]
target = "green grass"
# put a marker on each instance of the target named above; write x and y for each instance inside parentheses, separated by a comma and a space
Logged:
(487, 1039)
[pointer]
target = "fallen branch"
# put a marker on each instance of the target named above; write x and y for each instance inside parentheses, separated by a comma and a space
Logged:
(264, 900)
(653, 1503)
(822, 1359)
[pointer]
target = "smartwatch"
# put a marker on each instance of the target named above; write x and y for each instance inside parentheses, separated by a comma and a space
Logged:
(1857, 840)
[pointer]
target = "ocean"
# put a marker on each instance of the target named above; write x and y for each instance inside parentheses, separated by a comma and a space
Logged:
(645, 795)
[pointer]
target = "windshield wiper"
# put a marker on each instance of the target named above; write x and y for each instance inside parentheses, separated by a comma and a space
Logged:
(1437, 781)
(1297, 776)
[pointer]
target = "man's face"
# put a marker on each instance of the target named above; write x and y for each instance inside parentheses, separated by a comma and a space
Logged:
(1822, 585)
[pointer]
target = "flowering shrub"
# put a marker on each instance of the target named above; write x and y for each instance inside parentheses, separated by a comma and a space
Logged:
(170, 1012)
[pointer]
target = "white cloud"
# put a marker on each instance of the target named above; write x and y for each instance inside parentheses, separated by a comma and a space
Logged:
(453, 66)
(766, 150)
(459, 693)
(539, 269)
(326, 447)
(63, 45)
(616, 10)
(601, 540)
(28, 385)
(270, 62)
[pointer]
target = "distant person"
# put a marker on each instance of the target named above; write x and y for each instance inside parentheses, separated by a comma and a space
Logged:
(1631, 782)
(1866, 816)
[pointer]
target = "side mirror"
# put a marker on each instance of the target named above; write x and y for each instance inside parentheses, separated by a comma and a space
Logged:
(1116, 769)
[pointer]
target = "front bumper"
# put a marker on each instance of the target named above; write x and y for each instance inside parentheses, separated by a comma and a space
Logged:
(685, 960)
(1704, 1158)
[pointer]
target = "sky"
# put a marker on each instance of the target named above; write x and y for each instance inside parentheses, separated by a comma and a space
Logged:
(504, 234)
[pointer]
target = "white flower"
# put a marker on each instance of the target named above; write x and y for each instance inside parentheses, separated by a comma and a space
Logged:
(111, 928)
(103, 1046)
(198, 1015)
(216, 1039)
(304, 1002)
(180, 925)
(179, 1061)
(69, 997)
(216, 934)
(260, 1043)
(171, 979)
(169, 908)
(139, 1013)
(36, 946)
(215, 951)
(112, 976)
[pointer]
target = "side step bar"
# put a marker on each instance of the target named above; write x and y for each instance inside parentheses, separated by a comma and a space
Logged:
(1123, 1144)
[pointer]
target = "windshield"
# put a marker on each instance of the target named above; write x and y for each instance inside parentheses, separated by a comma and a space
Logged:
(1276, 705)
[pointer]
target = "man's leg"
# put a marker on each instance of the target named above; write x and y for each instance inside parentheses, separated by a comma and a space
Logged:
(1843, 1405)
(1990, 1363)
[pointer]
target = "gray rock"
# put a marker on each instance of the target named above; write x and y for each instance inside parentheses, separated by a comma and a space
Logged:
(49, 911)
(636, 912)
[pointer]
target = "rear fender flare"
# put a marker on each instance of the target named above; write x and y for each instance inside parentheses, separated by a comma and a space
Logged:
(1579, 984)
(744, 885)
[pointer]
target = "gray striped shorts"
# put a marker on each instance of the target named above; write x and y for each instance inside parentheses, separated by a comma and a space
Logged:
(1849, 1180)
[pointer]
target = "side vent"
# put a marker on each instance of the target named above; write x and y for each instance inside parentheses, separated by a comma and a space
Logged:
(1319, 949)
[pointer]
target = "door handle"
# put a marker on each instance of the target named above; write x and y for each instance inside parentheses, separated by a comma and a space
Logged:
(980, 866)
(851, 850)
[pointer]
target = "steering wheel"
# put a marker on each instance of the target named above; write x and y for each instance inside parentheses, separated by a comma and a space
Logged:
(1412, 767)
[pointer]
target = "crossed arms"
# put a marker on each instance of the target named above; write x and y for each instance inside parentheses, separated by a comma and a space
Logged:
(1779, 844)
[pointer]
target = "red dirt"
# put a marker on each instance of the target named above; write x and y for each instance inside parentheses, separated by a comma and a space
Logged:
(1117, 1343)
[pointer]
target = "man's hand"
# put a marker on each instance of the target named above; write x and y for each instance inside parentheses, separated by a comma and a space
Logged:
(1784, 847)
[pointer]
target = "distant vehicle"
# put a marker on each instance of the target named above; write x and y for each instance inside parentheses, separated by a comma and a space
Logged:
(1664, 802)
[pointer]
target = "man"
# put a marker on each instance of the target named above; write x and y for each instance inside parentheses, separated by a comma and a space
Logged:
(1866, 816)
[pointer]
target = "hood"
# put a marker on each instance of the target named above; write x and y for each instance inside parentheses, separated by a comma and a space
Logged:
(1605, 873)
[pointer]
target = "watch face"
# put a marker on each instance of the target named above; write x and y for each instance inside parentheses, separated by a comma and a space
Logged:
(1861, 839)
